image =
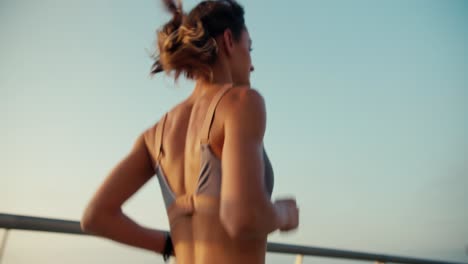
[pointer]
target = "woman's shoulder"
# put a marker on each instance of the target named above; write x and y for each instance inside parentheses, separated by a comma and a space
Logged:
(244, 110)
(245, 99)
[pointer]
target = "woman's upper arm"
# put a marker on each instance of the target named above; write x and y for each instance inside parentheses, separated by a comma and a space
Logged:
(132, 172)
(242, 156)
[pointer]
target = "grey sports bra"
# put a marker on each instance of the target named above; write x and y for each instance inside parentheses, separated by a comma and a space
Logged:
(209, 178)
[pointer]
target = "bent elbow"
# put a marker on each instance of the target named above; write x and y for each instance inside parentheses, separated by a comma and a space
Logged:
(90, 220)
(235, 223)
(234, 229)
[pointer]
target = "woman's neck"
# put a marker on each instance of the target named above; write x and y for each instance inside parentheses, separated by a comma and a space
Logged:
(221, 77)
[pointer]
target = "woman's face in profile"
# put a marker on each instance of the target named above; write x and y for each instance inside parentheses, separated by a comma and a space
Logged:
(242, 61)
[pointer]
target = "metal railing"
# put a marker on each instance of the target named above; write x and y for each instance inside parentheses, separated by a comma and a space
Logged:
(9, 222)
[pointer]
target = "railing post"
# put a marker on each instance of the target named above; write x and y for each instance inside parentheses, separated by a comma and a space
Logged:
(299, 259)
(3, 245)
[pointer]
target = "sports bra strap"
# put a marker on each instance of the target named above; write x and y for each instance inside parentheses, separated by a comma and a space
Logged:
(210, 113)
(159, 138)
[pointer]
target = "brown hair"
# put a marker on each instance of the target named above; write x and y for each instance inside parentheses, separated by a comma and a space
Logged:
(186, 44)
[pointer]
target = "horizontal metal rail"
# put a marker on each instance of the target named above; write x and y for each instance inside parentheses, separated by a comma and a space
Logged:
(9, 221)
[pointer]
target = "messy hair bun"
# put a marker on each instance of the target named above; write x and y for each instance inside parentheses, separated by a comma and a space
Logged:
(186, 43)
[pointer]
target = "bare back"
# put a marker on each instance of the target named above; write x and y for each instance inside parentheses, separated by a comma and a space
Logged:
(183, 145)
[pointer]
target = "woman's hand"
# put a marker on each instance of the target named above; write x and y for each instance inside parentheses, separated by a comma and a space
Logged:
(287, 213)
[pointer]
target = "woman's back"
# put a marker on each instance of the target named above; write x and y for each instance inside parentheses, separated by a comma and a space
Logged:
(207, 151)
(186, 147)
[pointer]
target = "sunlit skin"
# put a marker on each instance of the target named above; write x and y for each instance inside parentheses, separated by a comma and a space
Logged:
(236, 225)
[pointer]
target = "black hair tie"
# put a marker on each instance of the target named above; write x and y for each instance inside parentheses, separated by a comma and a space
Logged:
(168, 247)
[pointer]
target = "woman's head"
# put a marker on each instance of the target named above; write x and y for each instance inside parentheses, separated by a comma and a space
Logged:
(192, 44)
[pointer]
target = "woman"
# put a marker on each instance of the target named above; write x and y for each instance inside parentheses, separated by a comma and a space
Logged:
(207, 152)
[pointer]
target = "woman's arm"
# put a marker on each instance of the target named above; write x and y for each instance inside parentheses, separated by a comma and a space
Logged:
(104, 217)
(246, 210)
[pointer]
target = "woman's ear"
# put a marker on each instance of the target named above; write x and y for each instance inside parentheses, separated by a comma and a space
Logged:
(228, 42)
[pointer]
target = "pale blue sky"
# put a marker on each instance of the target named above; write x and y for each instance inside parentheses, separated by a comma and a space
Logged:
(367, 107)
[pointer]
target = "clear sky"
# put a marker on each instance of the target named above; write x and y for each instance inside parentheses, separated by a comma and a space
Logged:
(367, 107)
